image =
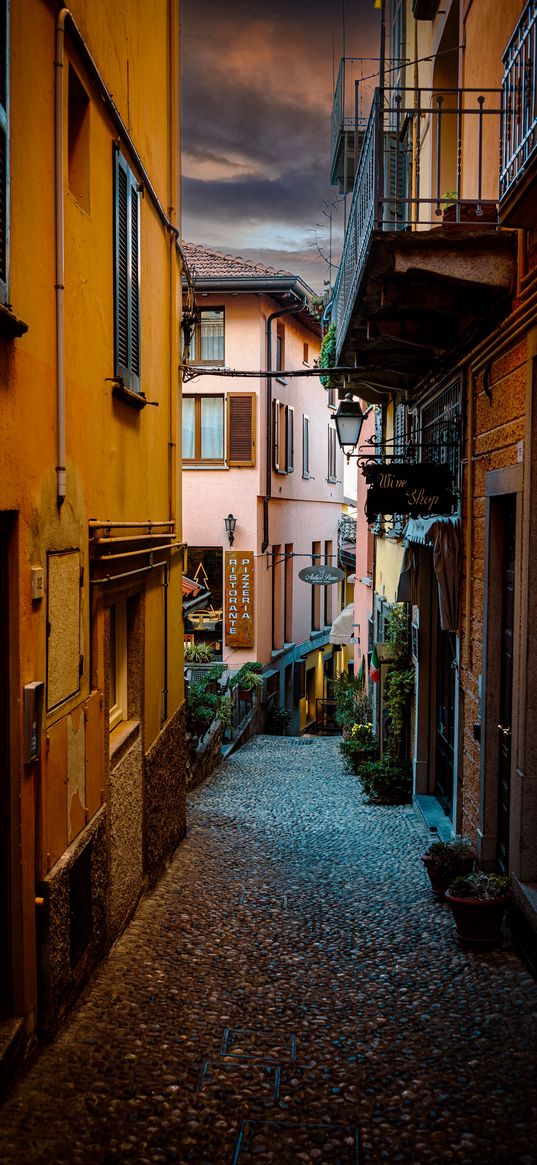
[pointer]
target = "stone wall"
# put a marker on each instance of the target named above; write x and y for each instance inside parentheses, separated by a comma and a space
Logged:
(63, 966)
(167, 772)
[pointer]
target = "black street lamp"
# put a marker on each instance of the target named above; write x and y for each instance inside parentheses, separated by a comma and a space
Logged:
(349, 419)
(230, 522)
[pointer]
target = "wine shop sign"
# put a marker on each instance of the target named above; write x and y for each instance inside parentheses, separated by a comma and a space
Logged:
(416, 490)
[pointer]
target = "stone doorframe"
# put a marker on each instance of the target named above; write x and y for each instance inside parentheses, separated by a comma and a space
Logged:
(499, 484)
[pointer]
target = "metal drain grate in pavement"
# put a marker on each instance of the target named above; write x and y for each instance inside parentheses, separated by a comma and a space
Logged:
(219, 1079)
(251, 1044)
(270, 1141)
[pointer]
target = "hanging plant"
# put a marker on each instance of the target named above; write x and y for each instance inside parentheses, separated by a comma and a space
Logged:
(399, 684)
(327, 358)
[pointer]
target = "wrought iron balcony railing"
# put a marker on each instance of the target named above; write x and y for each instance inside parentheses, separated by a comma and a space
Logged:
(410, 175)
(519, 101)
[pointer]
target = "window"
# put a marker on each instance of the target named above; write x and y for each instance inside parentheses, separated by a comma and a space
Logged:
(117, 702)
(209, 342)
(306, 353)
(4, 151)
(78, 140)
(305, 447)
(127, 275)
(332, 453)
(283, 451)
(280, 349)
(203, 428)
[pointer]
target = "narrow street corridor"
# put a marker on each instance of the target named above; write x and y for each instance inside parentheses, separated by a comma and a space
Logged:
(291, 992)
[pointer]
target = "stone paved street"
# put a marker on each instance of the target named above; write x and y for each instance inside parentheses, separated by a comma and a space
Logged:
(290, 982)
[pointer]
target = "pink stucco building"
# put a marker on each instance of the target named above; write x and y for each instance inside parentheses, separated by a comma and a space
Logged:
(263, 450)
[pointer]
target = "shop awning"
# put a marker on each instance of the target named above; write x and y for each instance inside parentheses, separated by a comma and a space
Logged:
(343, 626)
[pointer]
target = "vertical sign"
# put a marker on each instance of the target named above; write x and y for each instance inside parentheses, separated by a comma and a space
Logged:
(239, 598)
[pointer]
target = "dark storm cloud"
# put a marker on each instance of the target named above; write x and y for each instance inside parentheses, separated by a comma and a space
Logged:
(292, 198)
(257, 95)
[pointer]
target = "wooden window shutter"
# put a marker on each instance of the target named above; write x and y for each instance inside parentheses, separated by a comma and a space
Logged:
(290, 452)
(241, 428)
(127, 275)
(275, 433)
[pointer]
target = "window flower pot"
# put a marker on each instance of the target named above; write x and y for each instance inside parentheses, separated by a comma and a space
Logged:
(478, 920)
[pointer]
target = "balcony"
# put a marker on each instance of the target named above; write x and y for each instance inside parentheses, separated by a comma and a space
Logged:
(353, 97)
(423, 258)
(518, 175)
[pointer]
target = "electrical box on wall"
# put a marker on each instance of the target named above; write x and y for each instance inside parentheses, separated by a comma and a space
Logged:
(38, 583)
(33, 715)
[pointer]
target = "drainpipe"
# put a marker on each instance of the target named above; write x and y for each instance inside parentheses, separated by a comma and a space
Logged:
(61, 485)
(294, 307)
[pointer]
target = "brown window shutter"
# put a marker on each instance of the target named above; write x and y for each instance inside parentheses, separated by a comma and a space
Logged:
(241, 428)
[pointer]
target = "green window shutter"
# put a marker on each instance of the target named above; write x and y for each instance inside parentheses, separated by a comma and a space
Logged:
(127, 275)
(241, 428)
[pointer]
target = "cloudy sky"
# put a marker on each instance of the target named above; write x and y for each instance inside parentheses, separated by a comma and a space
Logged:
(258, 85)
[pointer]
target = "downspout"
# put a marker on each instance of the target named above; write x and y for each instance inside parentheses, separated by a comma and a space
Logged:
(174, 290)
(61, 483)
(295, 307)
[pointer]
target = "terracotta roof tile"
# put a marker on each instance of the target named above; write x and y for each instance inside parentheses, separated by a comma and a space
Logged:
(210, 264)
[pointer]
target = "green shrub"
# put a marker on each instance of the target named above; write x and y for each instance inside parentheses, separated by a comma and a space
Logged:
(278, 721)
(386, 781)
(353, 705)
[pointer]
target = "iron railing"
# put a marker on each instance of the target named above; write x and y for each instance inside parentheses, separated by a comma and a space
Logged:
(410, 175)
(519, 117)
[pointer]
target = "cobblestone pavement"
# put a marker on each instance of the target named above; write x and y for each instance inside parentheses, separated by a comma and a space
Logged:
(291, 992)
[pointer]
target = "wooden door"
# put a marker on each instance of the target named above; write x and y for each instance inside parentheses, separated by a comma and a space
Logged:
(506, 680)
(5, 795)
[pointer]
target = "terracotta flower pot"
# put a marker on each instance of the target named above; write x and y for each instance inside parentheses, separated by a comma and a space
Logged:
(478, 920)
(441, 874)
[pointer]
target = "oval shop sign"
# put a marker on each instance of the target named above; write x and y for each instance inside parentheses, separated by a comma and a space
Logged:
(321, 576)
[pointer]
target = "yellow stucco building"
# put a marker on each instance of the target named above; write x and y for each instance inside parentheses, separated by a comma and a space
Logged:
(91, 699)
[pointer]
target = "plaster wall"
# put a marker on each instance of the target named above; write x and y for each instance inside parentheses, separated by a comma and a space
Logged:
(117, 459)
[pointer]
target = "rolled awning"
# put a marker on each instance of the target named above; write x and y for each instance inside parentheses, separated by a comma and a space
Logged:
(343, 626)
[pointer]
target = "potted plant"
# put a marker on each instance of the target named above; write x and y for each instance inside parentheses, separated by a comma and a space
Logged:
(358, 745)
(386, 781)
(198, 653)
(278, 721)
(445, 860)
(478, 902)
(248, 679)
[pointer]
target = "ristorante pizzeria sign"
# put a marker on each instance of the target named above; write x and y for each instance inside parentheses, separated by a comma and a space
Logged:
(239, 598)
(417, 490)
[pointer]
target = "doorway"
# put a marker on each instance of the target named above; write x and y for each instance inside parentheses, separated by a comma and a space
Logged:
(6, 952)
(505, 715)
(444, 737)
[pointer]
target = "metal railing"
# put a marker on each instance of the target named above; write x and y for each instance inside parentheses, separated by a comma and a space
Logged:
(410, 174)
(519, 116)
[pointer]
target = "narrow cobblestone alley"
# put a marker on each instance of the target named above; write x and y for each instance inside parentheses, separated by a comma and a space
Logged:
(289, 993)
